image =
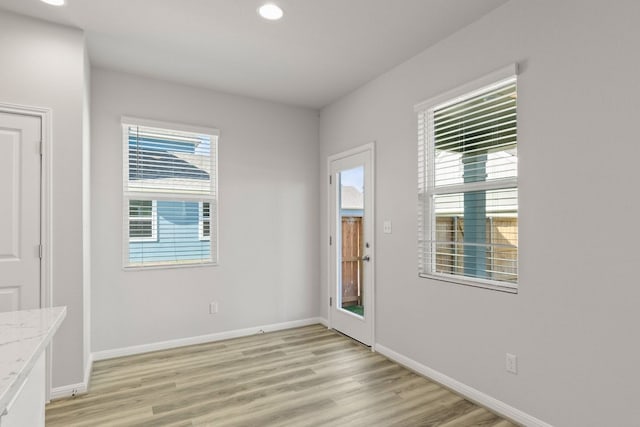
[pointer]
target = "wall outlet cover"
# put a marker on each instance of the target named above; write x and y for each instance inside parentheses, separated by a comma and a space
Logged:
(512, 363)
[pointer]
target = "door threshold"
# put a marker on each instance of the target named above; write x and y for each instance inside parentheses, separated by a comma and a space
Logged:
(353, 339)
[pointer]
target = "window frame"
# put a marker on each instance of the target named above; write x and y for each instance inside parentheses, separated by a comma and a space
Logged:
(155, 196)
(427, 188)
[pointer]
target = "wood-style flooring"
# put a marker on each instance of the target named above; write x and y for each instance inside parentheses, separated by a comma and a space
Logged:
(307, 376)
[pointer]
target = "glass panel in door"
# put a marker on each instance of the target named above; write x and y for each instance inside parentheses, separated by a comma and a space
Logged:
(351, 213)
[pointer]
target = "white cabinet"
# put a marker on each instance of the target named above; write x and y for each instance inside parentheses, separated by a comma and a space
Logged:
(24, 336)
(27, 406)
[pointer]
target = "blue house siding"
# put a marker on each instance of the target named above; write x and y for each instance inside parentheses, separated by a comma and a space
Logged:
(178, 236)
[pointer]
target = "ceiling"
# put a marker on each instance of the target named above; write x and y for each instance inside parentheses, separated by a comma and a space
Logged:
(320, 51)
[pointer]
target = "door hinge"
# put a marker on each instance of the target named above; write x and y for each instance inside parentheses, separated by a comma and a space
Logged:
(329, 179)
(41, 149)
(330, 241)
(40, 250)
(330, 301)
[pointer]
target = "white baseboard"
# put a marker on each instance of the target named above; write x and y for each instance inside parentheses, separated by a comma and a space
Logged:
(470, 393)
(74, 389)
(68, 390)
(323, 321)
(87, 371)
(201, 339)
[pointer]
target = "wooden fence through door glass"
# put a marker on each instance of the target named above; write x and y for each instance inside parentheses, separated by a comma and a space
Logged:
(352, 248)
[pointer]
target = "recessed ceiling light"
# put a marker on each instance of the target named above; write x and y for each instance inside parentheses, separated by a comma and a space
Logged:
(54, 2)
(270, 11)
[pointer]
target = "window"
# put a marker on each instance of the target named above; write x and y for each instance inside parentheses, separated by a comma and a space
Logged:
(170, 194)
(468, 184)
(143, 221)
(204, 225)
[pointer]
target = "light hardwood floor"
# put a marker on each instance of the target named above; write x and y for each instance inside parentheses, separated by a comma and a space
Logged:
(307, 376)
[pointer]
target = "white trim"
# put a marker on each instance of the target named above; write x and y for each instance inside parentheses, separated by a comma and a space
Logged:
(87, 371)
(496, 184)
(329, 243)
(201, 339)
(348, 153)
(475, 282)
(135, 121)
(466, 391)
(68, 390)
(495, 77)
(170, 197)
(162, 265)
(46, 226)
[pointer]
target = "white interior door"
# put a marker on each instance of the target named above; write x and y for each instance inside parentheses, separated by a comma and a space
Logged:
(351, 291)
(20, 170)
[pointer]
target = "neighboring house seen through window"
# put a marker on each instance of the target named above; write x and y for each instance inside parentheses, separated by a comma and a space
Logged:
(204, 226)
(170, 194)
(143, 221)
(468, 184)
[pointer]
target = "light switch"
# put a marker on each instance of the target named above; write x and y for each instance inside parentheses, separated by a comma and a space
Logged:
(387, 226)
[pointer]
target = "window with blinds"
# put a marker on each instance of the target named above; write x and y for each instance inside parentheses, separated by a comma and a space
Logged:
(170, 194)
(468, 184)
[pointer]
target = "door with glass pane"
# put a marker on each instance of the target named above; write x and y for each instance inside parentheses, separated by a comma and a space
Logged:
(351, 243)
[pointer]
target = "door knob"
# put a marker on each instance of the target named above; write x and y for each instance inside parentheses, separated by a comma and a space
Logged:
(366, 258)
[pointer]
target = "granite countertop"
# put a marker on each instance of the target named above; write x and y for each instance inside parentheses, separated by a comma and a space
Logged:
(24, 335)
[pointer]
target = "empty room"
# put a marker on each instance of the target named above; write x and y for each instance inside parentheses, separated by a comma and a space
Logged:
(319, 213)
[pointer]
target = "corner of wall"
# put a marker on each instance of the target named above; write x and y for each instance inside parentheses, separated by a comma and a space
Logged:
(464, 390)
(86, 211)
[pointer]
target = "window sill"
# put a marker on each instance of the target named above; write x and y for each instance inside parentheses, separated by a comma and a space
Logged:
(143, 239)
(476, 283)
(169, 266)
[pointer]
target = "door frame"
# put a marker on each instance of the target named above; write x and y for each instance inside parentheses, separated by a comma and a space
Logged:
(371, 149)
(46, 228)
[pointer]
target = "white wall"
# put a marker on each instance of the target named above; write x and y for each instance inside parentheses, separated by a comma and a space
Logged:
(574, 322)
(43, 66)
(268, 219)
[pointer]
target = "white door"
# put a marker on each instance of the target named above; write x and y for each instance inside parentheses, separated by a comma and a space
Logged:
(20, 166)
(351, 291)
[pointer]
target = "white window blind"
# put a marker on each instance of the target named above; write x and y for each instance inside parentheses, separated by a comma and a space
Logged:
(170, 194)
(468, 186)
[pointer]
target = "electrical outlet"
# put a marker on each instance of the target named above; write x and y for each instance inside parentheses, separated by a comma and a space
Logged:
(386, 226)
(512, 363)
(213, 307)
